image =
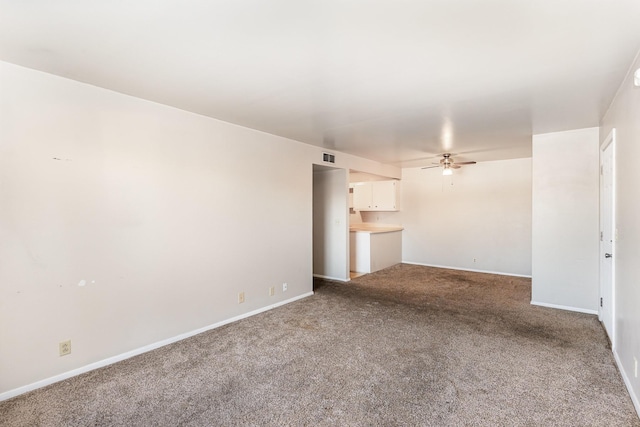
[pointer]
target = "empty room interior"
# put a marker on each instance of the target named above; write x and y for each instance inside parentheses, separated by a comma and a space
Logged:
(319, 213)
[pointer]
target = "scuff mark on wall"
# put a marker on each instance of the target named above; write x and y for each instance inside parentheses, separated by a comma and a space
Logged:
(36, 260)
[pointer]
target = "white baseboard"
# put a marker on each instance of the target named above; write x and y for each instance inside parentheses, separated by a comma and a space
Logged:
(467, 269)
(627, 382)
(111, 360)
(320, 276)
(565, 307)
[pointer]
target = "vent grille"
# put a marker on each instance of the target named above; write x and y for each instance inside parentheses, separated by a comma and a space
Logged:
(328, 157)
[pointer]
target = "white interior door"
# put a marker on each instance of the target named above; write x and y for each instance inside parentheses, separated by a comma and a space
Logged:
(607, 235)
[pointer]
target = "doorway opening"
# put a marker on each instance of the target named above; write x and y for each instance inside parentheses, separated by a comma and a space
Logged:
(330, 223)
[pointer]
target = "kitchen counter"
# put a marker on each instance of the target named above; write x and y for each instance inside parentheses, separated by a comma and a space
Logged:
(374, 247)
(369, 228)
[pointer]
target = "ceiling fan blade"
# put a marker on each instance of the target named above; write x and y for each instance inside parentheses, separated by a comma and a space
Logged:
(466, 163)
(430, 167)
(454, 166)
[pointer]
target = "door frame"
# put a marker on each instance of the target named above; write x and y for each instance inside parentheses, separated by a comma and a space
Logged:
(608, 142)
(330, 223)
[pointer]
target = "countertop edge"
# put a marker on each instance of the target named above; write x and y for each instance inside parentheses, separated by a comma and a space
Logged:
(374, 230)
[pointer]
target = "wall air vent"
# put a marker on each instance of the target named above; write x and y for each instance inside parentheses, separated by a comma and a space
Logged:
(329, 158)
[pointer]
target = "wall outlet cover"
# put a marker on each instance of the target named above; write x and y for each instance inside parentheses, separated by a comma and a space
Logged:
(64, 347)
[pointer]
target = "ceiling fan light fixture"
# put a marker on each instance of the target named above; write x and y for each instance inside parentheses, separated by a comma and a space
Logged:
(447, 171)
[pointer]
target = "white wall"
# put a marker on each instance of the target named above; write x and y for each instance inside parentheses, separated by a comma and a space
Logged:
(624, 116)
(477, 219)
(565, 243)
(165, 214)
(330, 223)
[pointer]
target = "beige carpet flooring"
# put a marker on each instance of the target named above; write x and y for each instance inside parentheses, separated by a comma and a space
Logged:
(406, 346)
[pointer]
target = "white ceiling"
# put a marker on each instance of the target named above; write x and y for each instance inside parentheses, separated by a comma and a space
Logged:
(390, 80)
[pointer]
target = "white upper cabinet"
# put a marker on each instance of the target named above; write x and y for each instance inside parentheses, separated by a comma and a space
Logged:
(375, 196)
(385, 195)
(362, 196)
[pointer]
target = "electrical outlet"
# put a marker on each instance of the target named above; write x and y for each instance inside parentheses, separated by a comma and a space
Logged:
(272, 291)
(65, 347)
(474, 260)
(240, 297)
(635, 367)
(284, 287)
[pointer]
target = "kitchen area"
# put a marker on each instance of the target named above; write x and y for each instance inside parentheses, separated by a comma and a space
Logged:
(355, 228)
(373, 245)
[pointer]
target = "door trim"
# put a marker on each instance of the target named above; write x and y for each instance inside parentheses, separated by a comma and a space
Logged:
(610, 140)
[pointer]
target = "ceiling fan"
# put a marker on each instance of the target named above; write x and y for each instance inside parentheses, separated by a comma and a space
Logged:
(448, 165)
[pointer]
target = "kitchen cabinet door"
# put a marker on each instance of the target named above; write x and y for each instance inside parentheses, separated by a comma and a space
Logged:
(375, 196)
(384, 196)
(362, 196)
